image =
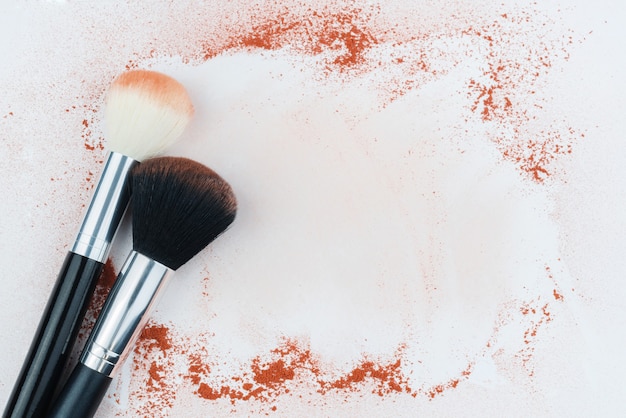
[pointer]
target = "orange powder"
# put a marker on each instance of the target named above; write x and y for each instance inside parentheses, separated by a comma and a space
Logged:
(512, 66)
(156, 336)
(103, 286)
(513, 63)
(345, 34)
(265, 378)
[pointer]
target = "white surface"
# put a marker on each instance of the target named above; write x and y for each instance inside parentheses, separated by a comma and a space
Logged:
(366, 226)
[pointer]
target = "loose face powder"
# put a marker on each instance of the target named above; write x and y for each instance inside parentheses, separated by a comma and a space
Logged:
(411, 238)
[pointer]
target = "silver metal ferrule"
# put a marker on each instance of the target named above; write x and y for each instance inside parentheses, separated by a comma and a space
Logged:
(106, 209)
(124, 313)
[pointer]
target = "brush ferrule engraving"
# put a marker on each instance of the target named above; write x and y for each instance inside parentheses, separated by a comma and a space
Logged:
(125, 312)
(106, 209)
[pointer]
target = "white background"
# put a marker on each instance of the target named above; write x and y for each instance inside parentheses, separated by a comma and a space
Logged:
(365, 224)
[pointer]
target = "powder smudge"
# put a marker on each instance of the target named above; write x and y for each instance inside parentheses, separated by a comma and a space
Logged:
(537, 315)
(346, 41)
(388, 375)
(103, 286)
(437, 390)
(155, 336)
(557, 295)
(342, 35)
(512, 53)
(91, 113)
(154, 393)
(284, 371)
(513, 66)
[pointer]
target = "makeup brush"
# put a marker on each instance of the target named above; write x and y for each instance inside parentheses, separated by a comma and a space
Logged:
(145, 112)
(179, 206)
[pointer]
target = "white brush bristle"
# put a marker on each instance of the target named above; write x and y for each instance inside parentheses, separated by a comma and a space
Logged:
(145, 112)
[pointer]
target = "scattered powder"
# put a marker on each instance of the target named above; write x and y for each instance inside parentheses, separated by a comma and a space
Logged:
(538, 315)
(526, 319)
(284, 370)
(437, 390)
(345, 35)
(152, 366)
(349, 42)
(292, 367)
(557, 295)
(156, 336)
(514, 51)
(513, 67)
(555, 292)
(90, 141)
(388, 377)
(103, 286)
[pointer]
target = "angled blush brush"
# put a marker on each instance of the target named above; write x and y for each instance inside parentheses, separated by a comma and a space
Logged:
(179, 206)
(145, 112)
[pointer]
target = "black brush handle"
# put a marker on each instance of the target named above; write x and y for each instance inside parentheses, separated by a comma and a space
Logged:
(81, 395)
(53, 342)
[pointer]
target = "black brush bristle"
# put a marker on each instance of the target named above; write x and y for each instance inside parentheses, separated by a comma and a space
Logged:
(179, 206)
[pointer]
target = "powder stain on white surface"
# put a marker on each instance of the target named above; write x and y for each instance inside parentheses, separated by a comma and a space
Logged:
(381, 216)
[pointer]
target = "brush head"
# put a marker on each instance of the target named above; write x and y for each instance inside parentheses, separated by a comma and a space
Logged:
(145, 112)
(179, 206)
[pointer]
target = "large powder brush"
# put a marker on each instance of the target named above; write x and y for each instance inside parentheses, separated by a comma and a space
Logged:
(179, 206)
(145, 112)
